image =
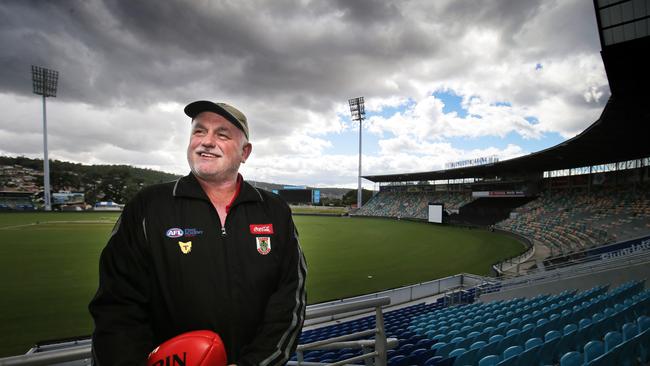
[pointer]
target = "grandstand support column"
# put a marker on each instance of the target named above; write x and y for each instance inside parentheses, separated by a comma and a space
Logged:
(44, 83)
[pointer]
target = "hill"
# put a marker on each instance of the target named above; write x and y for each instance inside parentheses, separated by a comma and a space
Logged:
(117, 183)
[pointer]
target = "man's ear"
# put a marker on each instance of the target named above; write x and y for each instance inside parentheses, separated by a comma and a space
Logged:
(247, 149)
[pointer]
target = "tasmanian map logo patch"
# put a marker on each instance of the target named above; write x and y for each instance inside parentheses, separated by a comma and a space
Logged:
(263, 244)
(186, 247)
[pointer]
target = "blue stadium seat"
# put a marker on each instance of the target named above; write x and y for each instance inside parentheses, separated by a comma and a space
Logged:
(473, 335)
(496, 338)
(593, 350)
(644, 346)
(437, 346)
(477, 345)
(423, 357)
(612, 339)
(512, 351)
(489, 360)
(533, 342)
(424, 343)
(552, 334)
(469, 357)
(547, 350)
(569, 328)
(628, 352)
(629, 331)
(643, 323)
(583, 323)
(433, 361)
(571, 359)
(457, 352)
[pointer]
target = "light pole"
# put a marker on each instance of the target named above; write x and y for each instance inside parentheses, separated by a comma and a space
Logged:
(358, 112)
(45, 82)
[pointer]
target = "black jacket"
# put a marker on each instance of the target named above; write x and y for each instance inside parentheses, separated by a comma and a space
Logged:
(169, 267)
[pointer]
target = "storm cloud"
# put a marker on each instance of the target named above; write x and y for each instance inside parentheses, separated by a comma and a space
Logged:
(128, 67)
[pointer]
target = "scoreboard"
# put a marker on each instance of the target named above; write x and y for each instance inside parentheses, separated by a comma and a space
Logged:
(295, 195)
(298, 195)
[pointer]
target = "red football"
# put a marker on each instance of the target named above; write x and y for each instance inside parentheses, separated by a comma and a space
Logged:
(196, 348)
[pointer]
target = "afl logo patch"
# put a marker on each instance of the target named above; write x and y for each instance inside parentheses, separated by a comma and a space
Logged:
(174, 233)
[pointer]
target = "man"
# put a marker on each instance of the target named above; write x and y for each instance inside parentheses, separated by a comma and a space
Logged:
(208, 251)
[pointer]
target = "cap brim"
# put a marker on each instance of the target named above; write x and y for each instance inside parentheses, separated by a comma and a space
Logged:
(195, 108)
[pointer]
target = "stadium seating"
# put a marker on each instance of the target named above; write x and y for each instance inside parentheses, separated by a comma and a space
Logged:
(572, 220)
(592, 327)
(412, 205)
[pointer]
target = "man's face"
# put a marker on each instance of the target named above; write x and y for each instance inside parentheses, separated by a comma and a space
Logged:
(216, 148)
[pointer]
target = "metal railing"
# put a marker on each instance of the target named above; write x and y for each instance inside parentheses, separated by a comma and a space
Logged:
(578, 268)
(372, 350)
(49, 357)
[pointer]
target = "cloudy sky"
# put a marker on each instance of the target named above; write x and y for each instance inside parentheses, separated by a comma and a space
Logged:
(443, 80)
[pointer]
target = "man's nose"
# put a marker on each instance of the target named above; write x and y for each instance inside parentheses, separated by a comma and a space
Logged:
(208, 141)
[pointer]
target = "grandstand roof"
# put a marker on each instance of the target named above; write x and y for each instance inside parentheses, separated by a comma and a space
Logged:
(620, 134)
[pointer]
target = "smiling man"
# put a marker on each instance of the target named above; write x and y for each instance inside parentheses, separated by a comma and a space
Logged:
(207, 252)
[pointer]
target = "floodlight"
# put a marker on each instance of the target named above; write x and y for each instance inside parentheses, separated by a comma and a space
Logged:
(358, 113)
(44, 82)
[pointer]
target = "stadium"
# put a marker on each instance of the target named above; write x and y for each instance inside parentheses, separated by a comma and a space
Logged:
(570, 290)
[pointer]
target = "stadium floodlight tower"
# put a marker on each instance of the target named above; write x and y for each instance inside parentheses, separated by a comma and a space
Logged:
(45, 82)
(358, 112)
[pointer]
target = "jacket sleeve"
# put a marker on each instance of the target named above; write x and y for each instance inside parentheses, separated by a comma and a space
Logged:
(122, 334)
(278, 336)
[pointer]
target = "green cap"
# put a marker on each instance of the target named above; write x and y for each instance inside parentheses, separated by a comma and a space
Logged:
(232, 114)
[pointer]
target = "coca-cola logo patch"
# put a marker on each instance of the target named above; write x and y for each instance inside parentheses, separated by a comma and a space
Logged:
(260, 229)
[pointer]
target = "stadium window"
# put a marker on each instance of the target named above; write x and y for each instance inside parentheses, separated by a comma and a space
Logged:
(640, 28)
(605, 18)
(617, 33)
(627, 11)
(615, 14)
(628, 29)
(640, 8)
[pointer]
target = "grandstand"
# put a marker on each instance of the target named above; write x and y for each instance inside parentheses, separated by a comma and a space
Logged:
(589, 206)
(16, 201)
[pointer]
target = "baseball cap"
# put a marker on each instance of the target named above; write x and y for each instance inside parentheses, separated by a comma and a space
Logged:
(232, 114)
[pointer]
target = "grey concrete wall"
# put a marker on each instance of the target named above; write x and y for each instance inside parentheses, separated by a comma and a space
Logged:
(613, 277)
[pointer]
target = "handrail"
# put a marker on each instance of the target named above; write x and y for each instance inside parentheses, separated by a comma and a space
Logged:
(346, 307)
(49, 357)
(381, 344)
(578, 269)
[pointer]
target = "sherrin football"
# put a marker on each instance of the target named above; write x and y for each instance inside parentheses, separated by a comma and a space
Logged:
(196, 348)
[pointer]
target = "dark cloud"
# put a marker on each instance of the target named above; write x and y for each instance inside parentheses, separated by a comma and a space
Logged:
(289, 64)
(116, 52)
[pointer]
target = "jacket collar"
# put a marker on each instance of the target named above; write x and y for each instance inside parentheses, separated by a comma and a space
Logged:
(189, 187)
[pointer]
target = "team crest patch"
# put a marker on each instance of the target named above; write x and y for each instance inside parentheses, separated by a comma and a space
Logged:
(185, 247)
(263, 244)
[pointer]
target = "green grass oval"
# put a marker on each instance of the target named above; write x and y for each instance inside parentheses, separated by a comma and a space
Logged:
(48, 263)
(342, 252)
